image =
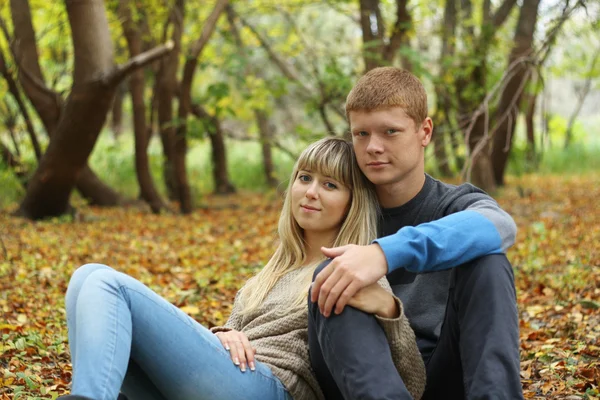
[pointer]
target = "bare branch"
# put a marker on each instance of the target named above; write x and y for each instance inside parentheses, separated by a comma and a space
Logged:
(282, 65)
(14, 91)
(502, 13)
(136, 62)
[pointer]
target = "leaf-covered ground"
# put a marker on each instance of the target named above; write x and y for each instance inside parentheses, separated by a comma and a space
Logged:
(198, 262)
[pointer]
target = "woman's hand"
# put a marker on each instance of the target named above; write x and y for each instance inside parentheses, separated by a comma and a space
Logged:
(239, 348)
(374, 299)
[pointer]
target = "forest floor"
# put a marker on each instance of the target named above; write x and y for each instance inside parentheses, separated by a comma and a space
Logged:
(199, 261)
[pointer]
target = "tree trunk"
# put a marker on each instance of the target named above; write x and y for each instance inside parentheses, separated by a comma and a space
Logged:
(442, 158)
(167, 87)
(116, 122)
(372, 32)
(47, 103)
(531, 155)
(185, 104)
(266, 136)
(14, 91)
(584, 91)
(510, 99)
(148, 190)
(13, 163)
(219, 158)
(442, 98)
(265, 131)
(481, 164)
(95, 79)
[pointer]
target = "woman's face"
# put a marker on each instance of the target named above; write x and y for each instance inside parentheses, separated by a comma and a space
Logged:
(319, 203)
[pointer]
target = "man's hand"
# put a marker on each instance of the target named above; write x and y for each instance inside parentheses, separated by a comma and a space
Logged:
(353, 268)
(239, 348)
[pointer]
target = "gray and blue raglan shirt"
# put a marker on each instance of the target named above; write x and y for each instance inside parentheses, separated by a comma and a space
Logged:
(442, 227)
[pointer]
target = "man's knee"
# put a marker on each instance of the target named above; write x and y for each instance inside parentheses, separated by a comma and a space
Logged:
(486, 273)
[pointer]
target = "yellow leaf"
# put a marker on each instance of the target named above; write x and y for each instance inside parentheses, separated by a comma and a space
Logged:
(190, 310)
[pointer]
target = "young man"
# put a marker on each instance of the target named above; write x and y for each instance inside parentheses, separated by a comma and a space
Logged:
(441, 247)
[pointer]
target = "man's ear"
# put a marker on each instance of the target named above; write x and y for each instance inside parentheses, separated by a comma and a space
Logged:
(426, 131)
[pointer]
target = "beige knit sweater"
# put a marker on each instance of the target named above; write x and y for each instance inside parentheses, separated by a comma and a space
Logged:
(281, 341)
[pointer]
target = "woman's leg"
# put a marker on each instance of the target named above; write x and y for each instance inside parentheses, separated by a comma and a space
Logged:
(117, 319)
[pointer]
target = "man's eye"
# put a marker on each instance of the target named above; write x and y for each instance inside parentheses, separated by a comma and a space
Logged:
(391, 131)
(361, 133)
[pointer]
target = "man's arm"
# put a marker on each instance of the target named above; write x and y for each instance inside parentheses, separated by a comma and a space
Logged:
(482, 228)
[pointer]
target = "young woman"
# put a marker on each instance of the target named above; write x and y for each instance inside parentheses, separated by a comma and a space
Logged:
(124, 337)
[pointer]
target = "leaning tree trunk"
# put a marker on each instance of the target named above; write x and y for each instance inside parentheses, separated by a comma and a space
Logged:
(167, 86)
(148, 190)
(185, 106)
(95, 79)
(510, 99)
(264, 128)
(46, 102)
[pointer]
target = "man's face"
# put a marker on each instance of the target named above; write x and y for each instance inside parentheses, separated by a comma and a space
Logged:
(389, 145)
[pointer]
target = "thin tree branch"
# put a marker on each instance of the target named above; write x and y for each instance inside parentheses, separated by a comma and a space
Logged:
(138, 61)
(502, 13)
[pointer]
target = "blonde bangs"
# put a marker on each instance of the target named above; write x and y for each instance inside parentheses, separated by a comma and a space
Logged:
(330, 159)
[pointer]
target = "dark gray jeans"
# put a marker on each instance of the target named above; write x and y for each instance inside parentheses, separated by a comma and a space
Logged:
(476, 357)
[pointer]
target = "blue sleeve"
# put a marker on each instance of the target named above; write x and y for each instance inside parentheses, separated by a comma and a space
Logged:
(442, 244)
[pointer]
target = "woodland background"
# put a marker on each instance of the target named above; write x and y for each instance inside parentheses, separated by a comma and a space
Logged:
(152, 135)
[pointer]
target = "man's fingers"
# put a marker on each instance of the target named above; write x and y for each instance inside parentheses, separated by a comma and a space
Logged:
(319, 280)
(332, 252)
(346, 296)
(334, 294)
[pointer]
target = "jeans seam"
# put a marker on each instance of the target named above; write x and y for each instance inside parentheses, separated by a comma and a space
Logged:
(114, 349)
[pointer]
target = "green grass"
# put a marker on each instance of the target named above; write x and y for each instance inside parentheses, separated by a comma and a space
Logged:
(113, 161)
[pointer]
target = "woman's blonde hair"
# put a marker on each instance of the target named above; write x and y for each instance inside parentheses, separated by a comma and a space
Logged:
(333, 157)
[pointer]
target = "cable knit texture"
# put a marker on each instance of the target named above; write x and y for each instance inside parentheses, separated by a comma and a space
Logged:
(280, 337)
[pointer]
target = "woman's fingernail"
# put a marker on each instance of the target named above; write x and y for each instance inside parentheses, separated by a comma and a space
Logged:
(227, 347)
(252, 367)
(236, 361)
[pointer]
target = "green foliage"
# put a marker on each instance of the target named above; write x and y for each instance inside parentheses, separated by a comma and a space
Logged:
(113, 161)
(12, 190)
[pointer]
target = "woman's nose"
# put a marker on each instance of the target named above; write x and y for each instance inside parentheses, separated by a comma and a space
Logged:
(312, 191)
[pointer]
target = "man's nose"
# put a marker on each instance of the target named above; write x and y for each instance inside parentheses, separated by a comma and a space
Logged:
(375, 145)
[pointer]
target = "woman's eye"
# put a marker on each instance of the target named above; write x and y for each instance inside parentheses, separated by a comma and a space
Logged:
(304, 178)
(330, 185)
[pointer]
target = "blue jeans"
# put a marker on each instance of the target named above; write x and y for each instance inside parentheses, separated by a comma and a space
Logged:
(124, 337)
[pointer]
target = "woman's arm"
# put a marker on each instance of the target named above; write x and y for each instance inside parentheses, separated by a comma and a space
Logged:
(378, 299)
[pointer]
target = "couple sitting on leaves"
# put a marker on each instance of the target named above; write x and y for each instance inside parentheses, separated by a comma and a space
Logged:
(321, 320)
